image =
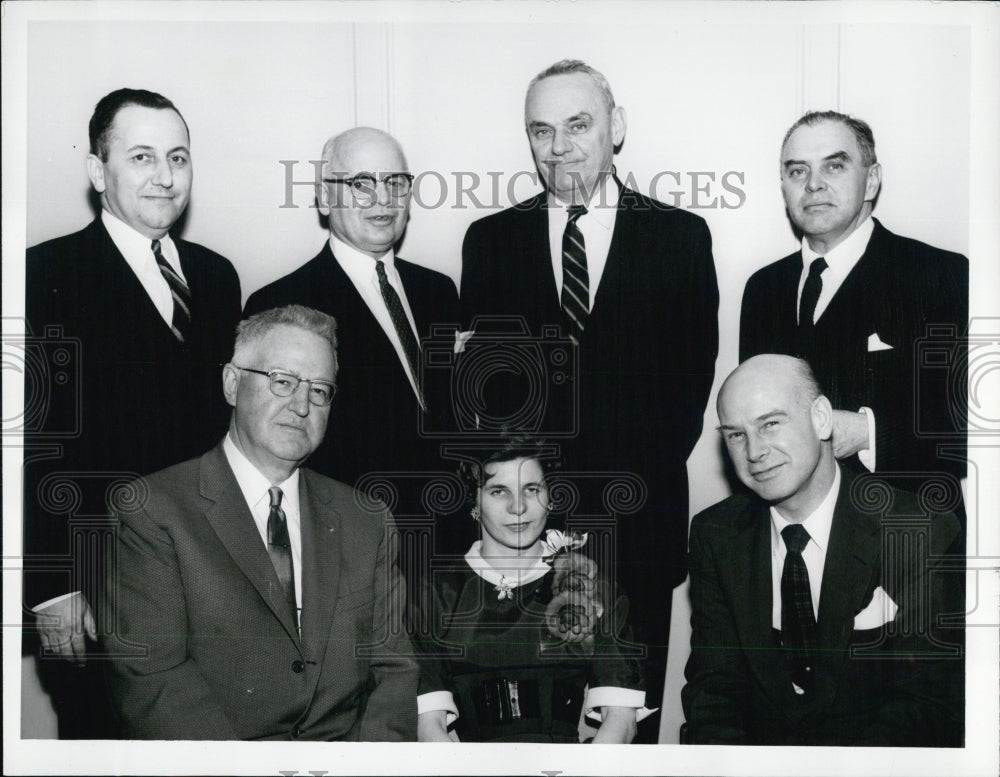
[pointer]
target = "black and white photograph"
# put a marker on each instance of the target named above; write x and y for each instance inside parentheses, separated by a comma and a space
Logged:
(465, 385)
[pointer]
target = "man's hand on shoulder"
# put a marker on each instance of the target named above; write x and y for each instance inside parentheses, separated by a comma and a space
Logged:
(850, 433)
(62, 624)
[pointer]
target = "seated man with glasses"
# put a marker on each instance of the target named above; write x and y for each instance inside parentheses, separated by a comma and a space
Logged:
(251, 598)
(384, 307)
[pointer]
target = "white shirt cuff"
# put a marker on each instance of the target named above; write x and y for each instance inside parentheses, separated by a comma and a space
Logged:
(438, 700)
(868, 457)
(48, 603)
(610, 696)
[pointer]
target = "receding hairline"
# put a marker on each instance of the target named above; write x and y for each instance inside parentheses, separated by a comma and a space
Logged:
(332, 148)
(570, 67)
(803, 384)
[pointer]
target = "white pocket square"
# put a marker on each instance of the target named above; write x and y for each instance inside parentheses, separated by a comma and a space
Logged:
(461, 338)
(876, 344)
(880, 610)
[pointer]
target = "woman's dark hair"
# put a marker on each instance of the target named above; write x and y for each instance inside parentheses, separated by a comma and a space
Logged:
(510, 446)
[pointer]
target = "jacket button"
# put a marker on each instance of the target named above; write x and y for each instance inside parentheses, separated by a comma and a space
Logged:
(298, 667)
(296, 731)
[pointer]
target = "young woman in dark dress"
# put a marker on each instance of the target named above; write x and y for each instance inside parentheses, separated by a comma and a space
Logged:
(520, 635)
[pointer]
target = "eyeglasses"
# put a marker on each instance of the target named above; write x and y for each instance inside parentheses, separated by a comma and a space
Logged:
(284, 384)
(363, 185)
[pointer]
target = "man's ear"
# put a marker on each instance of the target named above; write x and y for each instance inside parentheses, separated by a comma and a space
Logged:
(95, 171)
(874, 182)
(618, 124)
(821, 414)
(323, 199)
(230, 382)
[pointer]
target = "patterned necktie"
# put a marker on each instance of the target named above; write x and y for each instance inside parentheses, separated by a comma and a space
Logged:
(181, 323)
(402, 325)
(810, 294)
(576, 281)
(798, 623)
(279, 548)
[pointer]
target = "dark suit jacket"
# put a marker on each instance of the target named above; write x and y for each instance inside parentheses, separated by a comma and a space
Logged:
(112, 388)
(375, 420)
(897, 289)
(646, 360)
(206, 648)
(898, 684)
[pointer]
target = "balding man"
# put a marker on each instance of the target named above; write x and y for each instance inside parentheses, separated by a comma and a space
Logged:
(817, 598)
(383, 305)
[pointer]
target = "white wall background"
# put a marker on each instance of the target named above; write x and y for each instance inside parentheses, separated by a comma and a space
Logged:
(699, 97)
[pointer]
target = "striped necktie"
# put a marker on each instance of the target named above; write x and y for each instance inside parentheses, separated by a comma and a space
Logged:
(402, 326)
(576, 281)
(181, 322)
(798, 623)
(279, 548)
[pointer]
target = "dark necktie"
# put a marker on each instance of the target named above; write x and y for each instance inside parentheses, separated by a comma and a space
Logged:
(402, 325)
(798, 623)
(810, 294)
(181, 323)
(279, 548)
(576, 280)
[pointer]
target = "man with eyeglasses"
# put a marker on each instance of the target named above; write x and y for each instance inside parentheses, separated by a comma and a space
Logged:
(254, 599)
(384, 306)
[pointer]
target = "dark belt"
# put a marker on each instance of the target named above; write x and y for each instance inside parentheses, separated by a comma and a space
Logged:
(501, 701)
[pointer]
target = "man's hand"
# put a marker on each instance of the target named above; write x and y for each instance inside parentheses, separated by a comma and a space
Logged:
(433, 727)
(850, 433)
(62, 625)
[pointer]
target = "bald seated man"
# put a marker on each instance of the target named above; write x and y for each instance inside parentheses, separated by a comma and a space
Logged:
(384, 307)
(816, 596)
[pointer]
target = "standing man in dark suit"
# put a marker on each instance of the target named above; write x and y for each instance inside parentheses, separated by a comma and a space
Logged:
(817, 600)
(254, 599)
(631, 283)
(146, 318)
(878, 316)
(384, 307)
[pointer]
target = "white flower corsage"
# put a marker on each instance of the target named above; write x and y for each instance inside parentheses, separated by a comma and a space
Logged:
(556, 541)
(504, 589)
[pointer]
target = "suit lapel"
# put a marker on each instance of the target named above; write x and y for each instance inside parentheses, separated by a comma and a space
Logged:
(129, 286)
(857, 298)
(537, 279)
(753, 598)
(321, 541)
(852, 559)
(233, 522)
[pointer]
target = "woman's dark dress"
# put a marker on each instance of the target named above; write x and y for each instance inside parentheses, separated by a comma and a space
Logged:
(510, 679)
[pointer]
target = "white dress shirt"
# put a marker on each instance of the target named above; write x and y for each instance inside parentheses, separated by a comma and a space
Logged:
(255, 488)
(840, 261)
(818, 524)
(597, 226)
(360, 268)
(138, 252)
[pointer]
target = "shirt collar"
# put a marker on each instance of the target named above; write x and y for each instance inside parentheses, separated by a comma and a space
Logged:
(602, 206)
(819, 522)
(492, 570)
(847, 253)
(348, 255)
(130, 242)
(252, 483)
